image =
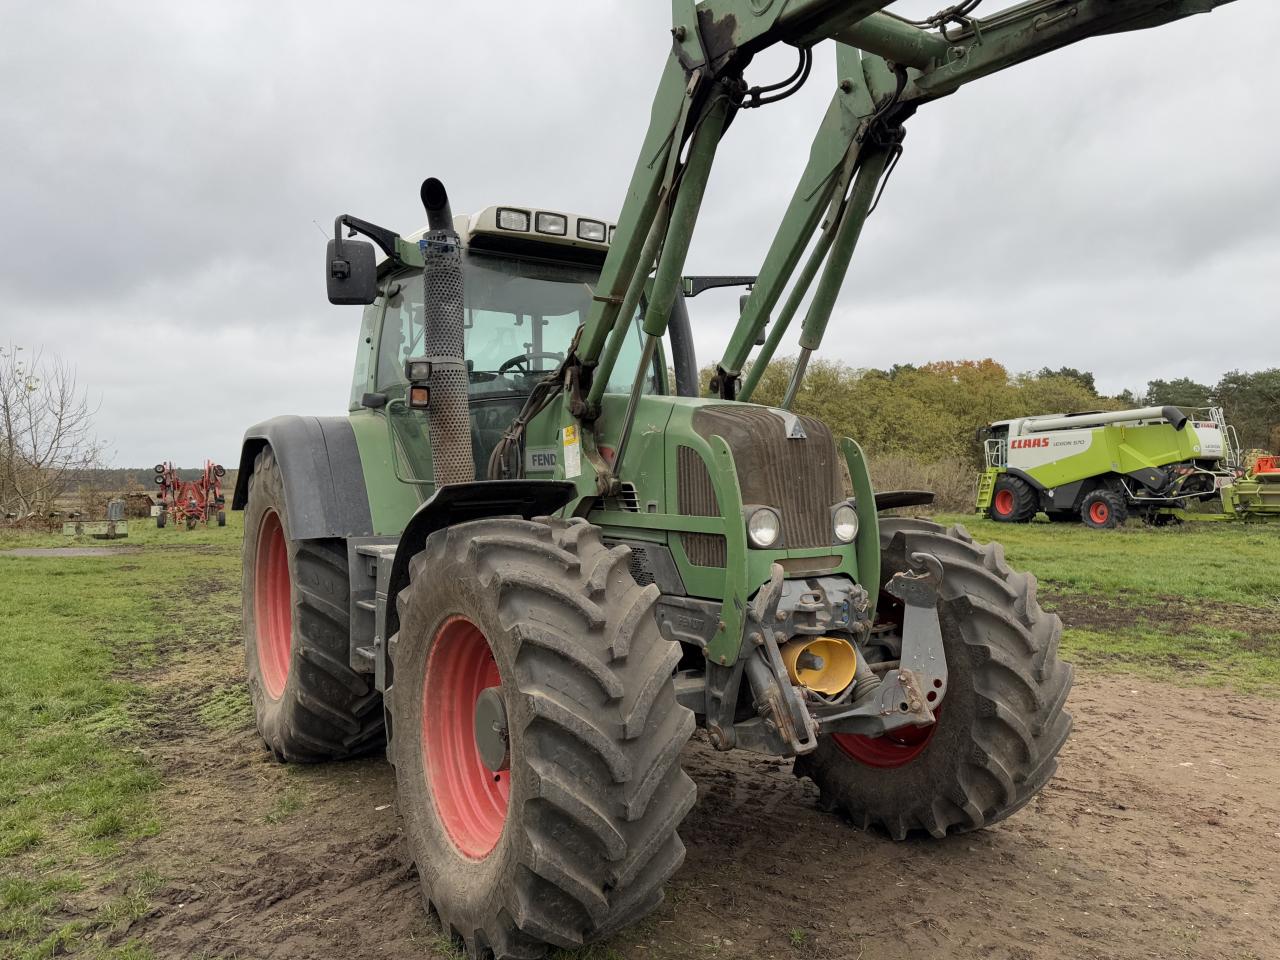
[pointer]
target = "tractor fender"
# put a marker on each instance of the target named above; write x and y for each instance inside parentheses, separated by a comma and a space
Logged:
(460, 502)
(324, 488)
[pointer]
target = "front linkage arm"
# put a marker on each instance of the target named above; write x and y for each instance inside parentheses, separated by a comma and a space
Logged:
(907, 693)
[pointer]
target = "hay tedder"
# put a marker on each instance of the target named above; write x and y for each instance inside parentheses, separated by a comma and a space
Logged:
(191, 502)
(531, 560)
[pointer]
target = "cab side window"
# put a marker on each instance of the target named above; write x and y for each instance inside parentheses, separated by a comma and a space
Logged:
(401, 333)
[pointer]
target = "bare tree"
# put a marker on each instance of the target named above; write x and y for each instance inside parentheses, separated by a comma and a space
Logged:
(46, 430)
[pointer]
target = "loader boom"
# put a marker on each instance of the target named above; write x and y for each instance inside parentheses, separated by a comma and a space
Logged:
(902, 64)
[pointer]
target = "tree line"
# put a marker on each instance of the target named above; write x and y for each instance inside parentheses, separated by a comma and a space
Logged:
(933, 412)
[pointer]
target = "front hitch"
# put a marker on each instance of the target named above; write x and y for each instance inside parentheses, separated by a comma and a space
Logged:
(907, 694)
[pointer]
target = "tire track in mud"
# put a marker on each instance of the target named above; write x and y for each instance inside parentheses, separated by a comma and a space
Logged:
(1159, 837)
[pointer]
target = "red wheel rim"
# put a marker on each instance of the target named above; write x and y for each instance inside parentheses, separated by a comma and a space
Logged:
(889, 750)
(272, 604)
(1004, 502)
(470, 798)
(1099, 512)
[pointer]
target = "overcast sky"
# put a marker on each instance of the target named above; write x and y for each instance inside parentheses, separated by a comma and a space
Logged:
(1114, 206)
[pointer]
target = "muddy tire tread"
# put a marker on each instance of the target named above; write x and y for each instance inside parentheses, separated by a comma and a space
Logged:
(1020, 685)
(621, 805)
(327, 710)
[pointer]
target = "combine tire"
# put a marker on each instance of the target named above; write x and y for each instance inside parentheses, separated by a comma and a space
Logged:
(1012, 501)
(999, 729)
(1103, 510)
(536, 736)
(309, 704)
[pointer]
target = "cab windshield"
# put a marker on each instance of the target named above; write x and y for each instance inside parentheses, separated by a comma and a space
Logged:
(520, 318)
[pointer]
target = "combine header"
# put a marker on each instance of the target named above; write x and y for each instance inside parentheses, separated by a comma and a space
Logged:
(191, 501)
(1249, 494)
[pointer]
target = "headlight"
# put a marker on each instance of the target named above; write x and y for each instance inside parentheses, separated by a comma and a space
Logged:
(509, 219)
(764, 526)
(553, 223)
(592, 230)
(844, 523)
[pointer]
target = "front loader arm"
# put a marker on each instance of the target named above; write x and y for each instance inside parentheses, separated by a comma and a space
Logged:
(831, 158)
(980, 47)
(929, 63)
(712, 43)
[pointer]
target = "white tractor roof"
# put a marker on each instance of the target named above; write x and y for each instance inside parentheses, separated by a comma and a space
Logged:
(536, 223)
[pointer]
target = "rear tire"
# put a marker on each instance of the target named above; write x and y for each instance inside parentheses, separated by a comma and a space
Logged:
(1103, 510)
(308, 702)
(1012, 501)
(999, 728)
(576, 837)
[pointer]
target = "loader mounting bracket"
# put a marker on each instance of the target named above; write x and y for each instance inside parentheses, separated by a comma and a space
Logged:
(908, 694)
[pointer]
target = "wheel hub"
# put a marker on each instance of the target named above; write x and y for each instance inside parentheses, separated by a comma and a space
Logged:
(492, 739)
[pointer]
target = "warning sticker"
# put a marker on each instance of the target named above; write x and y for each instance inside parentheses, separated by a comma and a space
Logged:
(572, 453)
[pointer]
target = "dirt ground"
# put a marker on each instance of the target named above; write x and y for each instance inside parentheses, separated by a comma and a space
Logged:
(1159, 838)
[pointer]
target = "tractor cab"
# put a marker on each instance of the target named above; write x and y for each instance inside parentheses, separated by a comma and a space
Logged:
(529, 279)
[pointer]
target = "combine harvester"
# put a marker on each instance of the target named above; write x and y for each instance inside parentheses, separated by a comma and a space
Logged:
(1156, 463)
(533, 561)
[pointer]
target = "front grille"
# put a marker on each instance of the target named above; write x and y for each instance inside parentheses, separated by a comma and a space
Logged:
(801, 477)
(697, 498)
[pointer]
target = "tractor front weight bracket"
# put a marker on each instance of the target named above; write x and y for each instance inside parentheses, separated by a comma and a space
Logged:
(909, 693)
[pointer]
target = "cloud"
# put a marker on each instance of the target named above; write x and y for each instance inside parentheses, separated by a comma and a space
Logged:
(1114, 206)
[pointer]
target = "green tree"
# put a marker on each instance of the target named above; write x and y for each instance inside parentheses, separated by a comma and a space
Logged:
(1251, 403)
(1182, 392)
(1083, 377)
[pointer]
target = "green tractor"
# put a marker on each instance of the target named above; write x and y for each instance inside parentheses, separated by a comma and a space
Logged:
(531, 561)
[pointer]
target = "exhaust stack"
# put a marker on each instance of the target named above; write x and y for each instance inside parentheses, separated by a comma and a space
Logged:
(449, 417)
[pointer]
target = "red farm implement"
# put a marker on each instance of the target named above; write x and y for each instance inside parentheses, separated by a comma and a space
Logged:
(191, 501)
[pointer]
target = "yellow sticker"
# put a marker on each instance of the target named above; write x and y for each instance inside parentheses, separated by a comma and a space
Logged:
(572, 453)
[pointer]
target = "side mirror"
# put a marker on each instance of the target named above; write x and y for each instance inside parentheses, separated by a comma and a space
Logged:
(351, 272)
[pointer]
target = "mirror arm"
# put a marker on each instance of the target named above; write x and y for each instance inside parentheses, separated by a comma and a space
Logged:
(384, 238)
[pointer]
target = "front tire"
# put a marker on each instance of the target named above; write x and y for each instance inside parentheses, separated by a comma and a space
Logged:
(1103, 510)
(575, 837)
(1012, 501)
(308, 703)
(999, 729)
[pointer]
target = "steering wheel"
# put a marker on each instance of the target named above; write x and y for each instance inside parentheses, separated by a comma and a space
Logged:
(524, 358)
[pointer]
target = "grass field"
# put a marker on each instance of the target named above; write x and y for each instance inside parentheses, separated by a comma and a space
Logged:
(85, 642)
(79, 640)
